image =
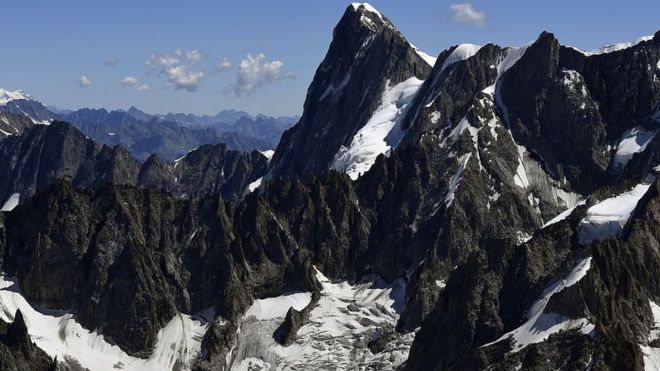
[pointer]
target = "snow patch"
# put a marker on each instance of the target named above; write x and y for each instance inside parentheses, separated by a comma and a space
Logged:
(59, 335)
(255, 185)
(268, 153)
(632, 141)
(455, 180)
(520, 178)
(564, 214)
(381, 133)
(11, 202)
(608, 218)
(651, 354)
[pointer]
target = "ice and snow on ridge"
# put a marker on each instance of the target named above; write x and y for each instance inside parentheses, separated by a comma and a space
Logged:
(616, 47)
(607, 218)
(430, 60)
(381, 133)
(59, 335)
(540, 325)
(460, 53)
(632, 141)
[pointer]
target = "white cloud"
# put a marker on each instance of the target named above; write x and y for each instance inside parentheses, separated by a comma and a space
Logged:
(85, 81)
(177, 68)
(224, 64)
(255, 72)
(129, 82)
(144, 87)
(194, 56)
(464, 13)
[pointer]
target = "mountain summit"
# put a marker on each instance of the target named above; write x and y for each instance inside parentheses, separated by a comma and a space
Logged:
(367, 59)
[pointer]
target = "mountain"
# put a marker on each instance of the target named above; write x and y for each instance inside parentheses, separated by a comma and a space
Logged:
(42, 154)
(224, 116)
(494, 208)
(368, 66)
(265, 128)
(170, 136)
(19, 103)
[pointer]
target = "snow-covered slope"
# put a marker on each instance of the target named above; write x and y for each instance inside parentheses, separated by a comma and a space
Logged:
(633, 141)
(381, 133)
(607, 218)
(540, 325)
(59, 335)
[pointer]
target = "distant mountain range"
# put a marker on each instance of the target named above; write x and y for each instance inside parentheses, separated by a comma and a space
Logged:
(169, 136)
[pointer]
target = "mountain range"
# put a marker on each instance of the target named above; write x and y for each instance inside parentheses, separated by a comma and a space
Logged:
(170, 136)
(493, 208)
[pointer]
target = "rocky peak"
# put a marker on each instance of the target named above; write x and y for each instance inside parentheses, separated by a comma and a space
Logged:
(367, 55)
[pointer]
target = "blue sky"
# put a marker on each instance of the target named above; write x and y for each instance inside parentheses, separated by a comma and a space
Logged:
(49, 45)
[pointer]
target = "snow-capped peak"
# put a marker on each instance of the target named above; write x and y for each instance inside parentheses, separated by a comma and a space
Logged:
(369, 15)
(7, 96)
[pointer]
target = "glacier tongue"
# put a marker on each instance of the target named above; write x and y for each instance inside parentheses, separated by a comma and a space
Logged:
(380, 134)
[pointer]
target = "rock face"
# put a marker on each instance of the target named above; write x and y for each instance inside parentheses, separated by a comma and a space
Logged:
(520, 210)
(366, 55)
(17, 352)
(11, 124)
(29, 108)
(45, 153)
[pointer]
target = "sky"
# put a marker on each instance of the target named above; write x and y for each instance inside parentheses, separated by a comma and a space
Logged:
(258, 56)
